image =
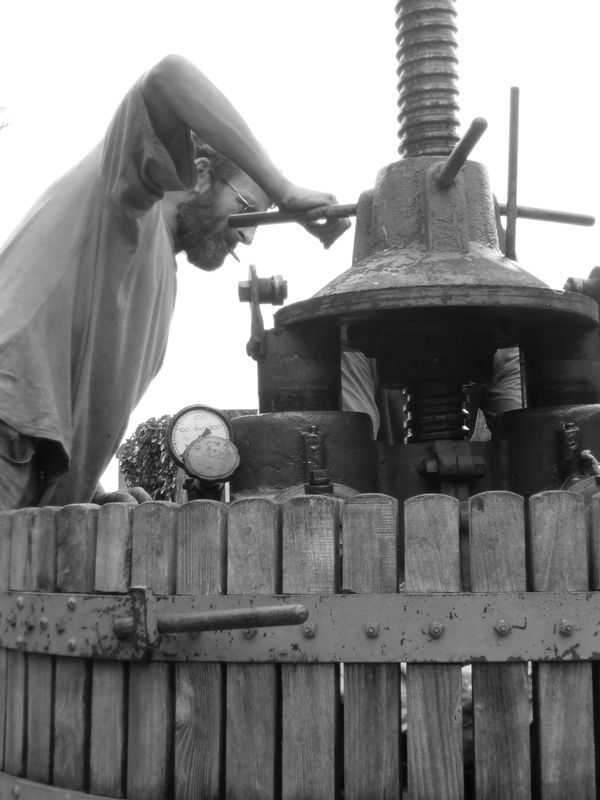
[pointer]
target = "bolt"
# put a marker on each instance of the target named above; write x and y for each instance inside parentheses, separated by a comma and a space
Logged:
(309, 630)
(72, 644)
(60, 626)
(20, 642)
(436, 629)
(71, 604)
(29, 624)
(44, 623)
(20, 602)
(372, 630)
(249, 633)
(566, 627)
(502, 627)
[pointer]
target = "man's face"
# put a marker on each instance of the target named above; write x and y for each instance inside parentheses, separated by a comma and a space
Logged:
(202, 230)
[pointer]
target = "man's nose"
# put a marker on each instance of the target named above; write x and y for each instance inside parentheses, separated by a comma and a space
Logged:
(245, 235)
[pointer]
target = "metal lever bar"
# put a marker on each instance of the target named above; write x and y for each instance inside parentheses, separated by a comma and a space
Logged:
(253, 218)
(546, 215)
(462, 150)
(230, 619)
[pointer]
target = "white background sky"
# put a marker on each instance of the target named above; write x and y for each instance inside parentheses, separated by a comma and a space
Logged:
(316, 81)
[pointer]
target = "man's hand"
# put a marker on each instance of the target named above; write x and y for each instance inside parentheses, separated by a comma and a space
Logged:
(316, 205)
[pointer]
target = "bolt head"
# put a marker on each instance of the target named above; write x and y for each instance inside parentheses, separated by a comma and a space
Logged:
(72, 644)
(436, 629)
(309, 630)
(71, 604)
(44, 623)
(20, 602)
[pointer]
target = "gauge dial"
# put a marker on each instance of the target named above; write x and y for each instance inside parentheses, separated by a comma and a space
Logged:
(211, 458)
(192, 422)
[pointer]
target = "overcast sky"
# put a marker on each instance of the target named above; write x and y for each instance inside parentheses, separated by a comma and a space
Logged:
(316, 81)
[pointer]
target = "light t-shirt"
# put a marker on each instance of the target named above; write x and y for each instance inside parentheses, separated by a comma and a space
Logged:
(87, 289)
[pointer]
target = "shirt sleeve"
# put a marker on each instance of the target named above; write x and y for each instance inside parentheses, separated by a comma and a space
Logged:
(137, 168)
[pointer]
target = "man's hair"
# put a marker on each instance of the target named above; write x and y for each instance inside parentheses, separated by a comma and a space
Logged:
(220, 165)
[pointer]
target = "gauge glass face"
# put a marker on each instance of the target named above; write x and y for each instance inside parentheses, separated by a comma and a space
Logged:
(192, 422)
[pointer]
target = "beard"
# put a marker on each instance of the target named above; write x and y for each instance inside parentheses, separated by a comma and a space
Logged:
(199, 235)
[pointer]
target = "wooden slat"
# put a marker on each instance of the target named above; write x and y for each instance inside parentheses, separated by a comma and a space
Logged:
(434, 702)
(310, 693)
(40, 565)
(201, 554)
(5, 524)
(108, 724)
(563, 692)
(16, 663)
(500, 691)
(253, 538)
(371, 692)
(76, 550)
(149, 758)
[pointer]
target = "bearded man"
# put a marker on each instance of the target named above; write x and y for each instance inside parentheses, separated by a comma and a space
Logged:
(87, 280)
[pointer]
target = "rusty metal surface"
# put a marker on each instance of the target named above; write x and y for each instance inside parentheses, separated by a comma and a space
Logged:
(12, 788)
(353, 628)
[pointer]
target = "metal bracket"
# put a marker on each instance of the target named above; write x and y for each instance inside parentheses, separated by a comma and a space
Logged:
(354, 628)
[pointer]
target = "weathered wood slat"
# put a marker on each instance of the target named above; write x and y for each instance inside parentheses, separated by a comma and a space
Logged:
(40, 575)
(201, 554)
(309, 692)
(563, 692)
(5, 524)
(149, 757)
(76, 551)
(371, 692)
(500, 691)
(434, 733)
(16, 666)
(253, 556)
(108, 735)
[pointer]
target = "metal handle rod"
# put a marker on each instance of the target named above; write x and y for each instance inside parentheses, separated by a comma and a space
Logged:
(194, 621)
(461, 152)
(253, 218)
(513, 161)
(546, 215)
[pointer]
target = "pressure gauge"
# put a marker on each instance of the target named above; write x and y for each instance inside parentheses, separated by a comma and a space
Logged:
(197, 422)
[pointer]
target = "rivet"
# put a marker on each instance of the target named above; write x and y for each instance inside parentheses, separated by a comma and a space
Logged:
(72, 644)
(436, 629)
(44, 623)
(16, 790)
(309, 630)
(372, 630)
(29, 624)
(60, 626)
(502, 627)
(249, 633)
(20, 602)
(71, 604)
(20, 641)
(566, 627)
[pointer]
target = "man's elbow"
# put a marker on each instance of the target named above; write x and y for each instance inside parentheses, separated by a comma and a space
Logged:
(160, 78)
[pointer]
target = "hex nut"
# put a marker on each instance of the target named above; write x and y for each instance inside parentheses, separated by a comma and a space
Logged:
(566, 627)
(372, 630)
(502, 627)
(436, 629)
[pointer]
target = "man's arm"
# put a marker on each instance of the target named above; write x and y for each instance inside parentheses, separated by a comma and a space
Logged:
(176, 92)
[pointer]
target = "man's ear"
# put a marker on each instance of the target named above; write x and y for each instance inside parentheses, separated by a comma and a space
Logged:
(204, 178)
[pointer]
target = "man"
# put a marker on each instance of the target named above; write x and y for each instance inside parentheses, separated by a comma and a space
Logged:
(87, 281)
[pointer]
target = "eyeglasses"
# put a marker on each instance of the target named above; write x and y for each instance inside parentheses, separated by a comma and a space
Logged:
(245, 205)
